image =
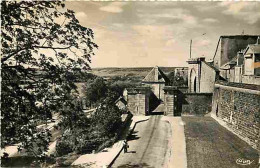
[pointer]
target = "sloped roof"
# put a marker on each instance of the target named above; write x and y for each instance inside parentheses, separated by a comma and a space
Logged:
(253, 48)
(228, 46)
(136, 90)
(233, 61)
(121, 99)
(238, 35)
(156, 75)
(211, 66)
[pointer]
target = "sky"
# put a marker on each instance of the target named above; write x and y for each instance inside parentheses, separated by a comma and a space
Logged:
(146, 34)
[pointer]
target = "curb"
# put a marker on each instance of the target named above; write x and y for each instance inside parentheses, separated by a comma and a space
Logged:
(176, 125)
(114, 159)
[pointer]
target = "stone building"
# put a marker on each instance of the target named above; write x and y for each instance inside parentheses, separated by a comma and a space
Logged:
(244, 67)
(228, 65)
(138, 100)
(156, 79)
(150, 97)
(231, 69)
(229, 56)
(252, 60)
(251, 67)
(156, 96)
(228, 47)
(236, 60)
(201, 76)
(236, 96)
(172, 101)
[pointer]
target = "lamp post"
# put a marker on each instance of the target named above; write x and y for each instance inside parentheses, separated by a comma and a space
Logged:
(191, 42)
(190, 47)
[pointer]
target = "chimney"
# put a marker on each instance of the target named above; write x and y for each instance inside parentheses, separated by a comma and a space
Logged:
(201, 58)
(156, 76)
(240, 58)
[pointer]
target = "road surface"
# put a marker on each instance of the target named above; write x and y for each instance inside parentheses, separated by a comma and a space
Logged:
(211, 145)
(208, 144)
(148, 145)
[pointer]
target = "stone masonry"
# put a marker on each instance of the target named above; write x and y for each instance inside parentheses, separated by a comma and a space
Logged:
(239, 108)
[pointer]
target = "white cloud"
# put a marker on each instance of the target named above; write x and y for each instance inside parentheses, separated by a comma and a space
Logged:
(80, 15)
(113, 7)
(210, 20)
(233, 7)
(118, 25)
(247, 11)
(179, 15)
(206, 6)
(190, 20)
(153, 32)
(204, 42)
(147, 34)
(99, 33)
(170, 43)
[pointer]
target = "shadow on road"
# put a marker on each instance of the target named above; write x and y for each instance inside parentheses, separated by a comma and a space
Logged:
(131, 132)
(157, 113)
(135, 165)
(133, 136)
(131, 152)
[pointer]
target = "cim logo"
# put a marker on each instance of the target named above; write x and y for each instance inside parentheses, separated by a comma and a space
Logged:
(242, 161)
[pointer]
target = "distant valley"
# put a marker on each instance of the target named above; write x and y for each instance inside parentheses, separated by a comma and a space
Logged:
(137, 73)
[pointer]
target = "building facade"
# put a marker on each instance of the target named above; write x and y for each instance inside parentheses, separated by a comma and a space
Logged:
(201, 76)
(138, 100)
(156, 80)
(228, 47)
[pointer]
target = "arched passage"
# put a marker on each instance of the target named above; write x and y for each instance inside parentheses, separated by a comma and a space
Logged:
(193, 81)
(194, 85)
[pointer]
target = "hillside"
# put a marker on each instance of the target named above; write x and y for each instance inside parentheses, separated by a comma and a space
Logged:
(136, 72)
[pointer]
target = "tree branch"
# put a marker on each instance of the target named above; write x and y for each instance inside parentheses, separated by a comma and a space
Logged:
(26, 26)
(9, 56)
(54, 48)
(57, 56)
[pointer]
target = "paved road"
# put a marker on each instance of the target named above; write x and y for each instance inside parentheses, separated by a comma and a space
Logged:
(148, 145)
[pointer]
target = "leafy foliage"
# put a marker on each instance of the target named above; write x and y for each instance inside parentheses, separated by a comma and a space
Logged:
(43, 48)
(82, 140)
(119, 86)
(177, 79)
(89, 134)
(95, 90)
(107, 117)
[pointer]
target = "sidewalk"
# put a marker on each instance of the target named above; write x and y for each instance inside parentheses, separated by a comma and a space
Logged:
(177, 151)
(108, 155)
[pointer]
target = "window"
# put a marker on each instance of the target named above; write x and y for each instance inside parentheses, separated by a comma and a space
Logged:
(257, 65)
(257, 57)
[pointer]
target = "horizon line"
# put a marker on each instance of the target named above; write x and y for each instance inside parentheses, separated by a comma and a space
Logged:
(143, 67)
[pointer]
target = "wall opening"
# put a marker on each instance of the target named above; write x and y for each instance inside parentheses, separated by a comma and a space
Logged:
(217, 111)
(194, 85)
(193, 81)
